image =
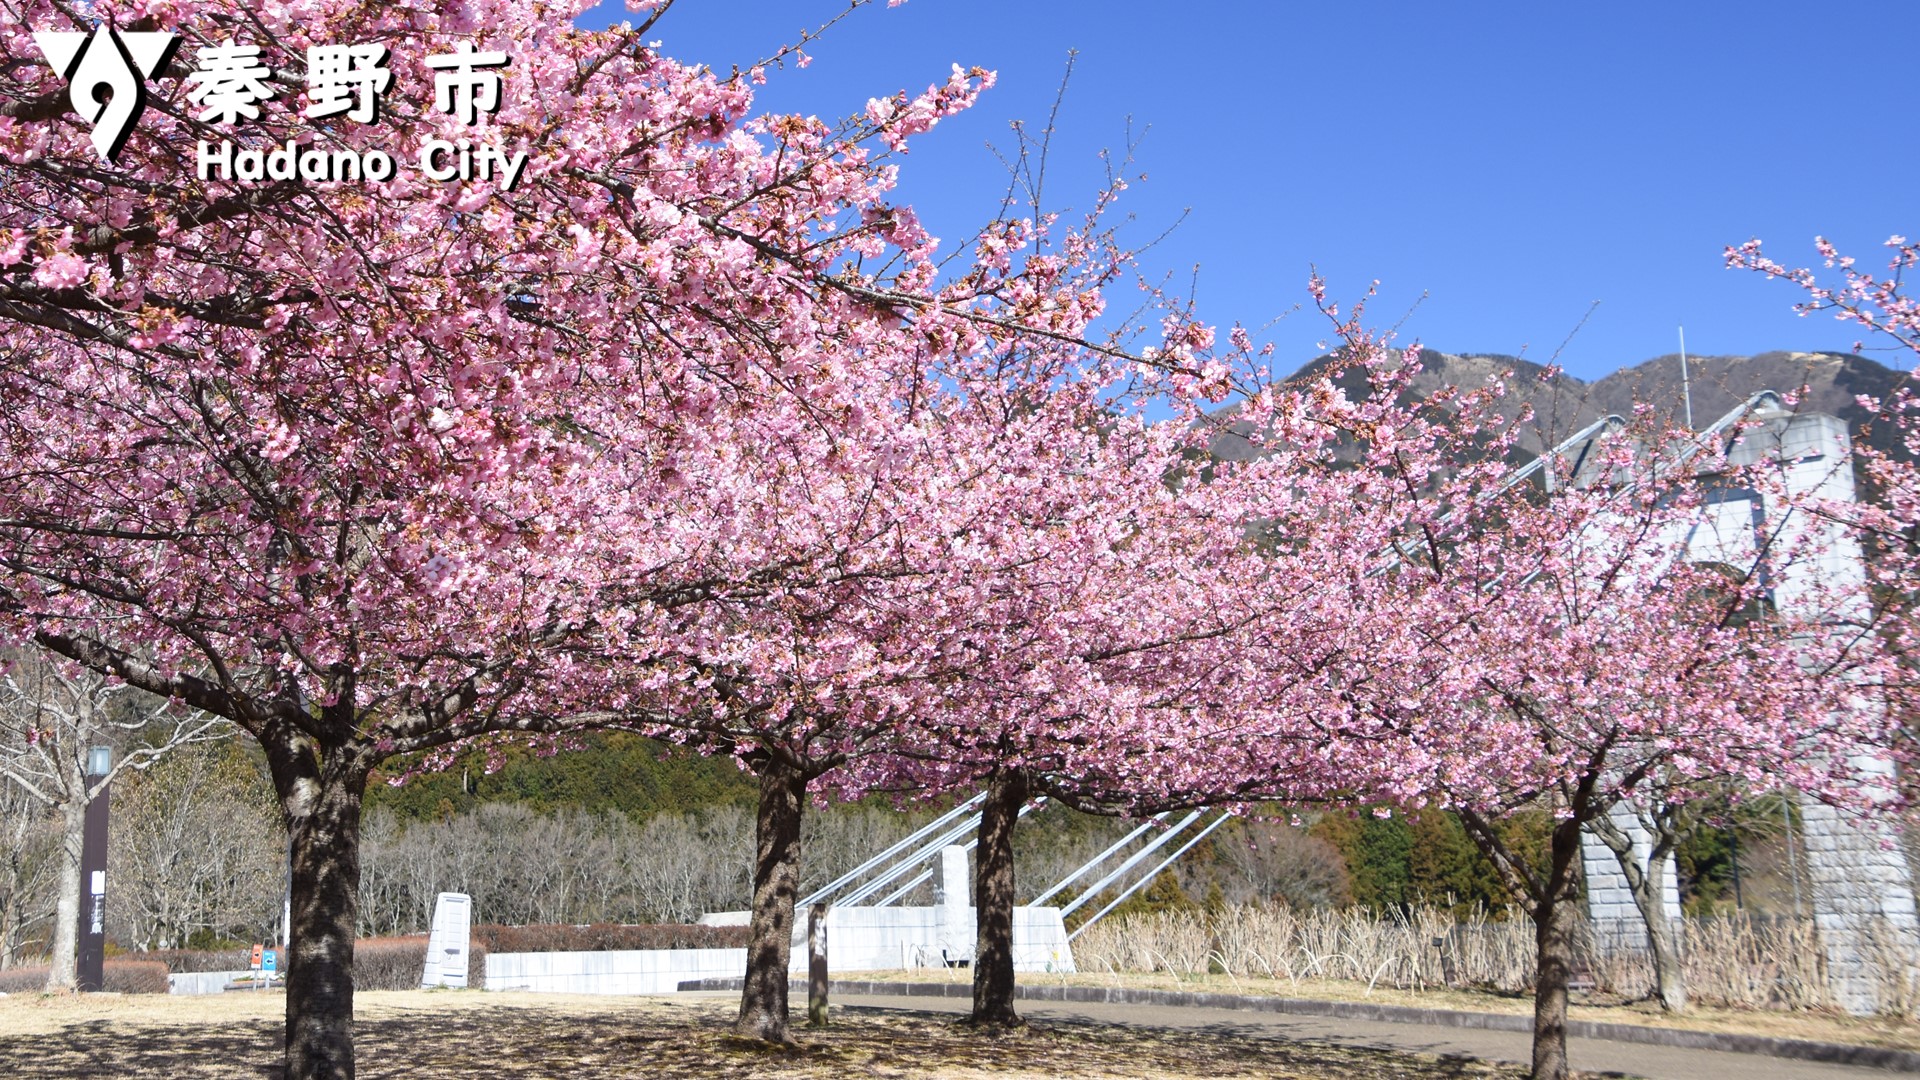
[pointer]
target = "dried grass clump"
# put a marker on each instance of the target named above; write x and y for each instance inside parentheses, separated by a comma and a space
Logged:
(1732, 961)
(1405, 950)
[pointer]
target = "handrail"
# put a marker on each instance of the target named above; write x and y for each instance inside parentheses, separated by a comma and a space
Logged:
(854, 874)
(893, 873)
(1148, 876)
(1131, 861)
(921, 878)
(1098, 859)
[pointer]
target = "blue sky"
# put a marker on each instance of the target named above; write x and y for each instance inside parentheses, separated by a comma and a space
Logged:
(1513, 162)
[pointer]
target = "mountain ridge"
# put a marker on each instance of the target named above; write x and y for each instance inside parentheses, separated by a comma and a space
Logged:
(1562, 404)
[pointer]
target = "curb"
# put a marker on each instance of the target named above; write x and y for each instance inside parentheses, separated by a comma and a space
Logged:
(1877, 1057)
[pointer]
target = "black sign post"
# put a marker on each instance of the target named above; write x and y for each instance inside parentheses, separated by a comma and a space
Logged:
(90, 975)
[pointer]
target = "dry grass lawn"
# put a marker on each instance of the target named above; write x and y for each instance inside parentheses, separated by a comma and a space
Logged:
(448, 1034)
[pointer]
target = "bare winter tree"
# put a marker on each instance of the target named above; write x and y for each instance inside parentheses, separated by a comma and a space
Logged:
(198, 850)
(49, 717)
(387, 878)
(29, 840)
(1263, 861)
(685, 865)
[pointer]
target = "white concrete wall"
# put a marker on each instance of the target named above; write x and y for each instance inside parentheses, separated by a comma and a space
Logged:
(634, 971)
(891, 938)
(1040, 940)
(203, 982)
(883, 938)
(1819, 457)
(879, 938)
(858, 939)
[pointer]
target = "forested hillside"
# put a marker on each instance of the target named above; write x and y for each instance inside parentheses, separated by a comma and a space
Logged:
(613, 771)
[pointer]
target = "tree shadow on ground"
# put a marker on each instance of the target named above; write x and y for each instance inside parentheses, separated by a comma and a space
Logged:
(655, 1039)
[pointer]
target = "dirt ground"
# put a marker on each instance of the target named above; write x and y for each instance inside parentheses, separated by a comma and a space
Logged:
(1815, 1026)
(448, 1034)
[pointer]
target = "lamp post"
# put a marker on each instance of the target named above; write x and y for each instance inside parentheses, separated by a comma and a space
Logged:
(90, 969)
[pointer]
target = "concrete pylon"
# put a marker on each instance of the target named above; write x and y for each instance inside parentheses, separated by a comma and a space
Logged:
(954, 904)
(1863, 898)
(1863, 902)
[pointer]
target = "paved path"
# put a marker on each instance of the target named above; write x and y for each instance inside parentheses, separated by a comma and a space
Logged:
(1590, 1055)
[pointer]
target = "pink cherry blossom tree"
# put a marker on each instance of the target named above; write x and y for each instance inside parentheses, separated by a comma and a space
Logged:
(348, 464)
(1867, 299)
(1593, 658)
(1212, 640)
(898, 557)
(378, 469)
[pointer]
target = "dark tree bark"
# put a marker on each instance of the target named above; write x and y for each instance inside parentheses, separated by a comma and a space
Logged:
(817, 977)
(322, 807)
(1555, 915)
(320, 758)
(993, 884)
(776, 879)
(1550, 895)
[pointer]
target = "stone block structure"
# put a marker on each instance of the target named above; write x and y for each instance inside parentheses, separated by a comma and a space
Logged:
(880, 937)
(1616, 920)
(1863, 895)
(1863, 903)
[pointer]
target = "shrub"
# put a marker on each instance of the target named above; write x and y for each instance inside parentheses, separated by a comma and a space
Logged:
(378, 963)
(395, 963)
(388, 963)
(117, 976)
(135, 977)
(601, 937)
(181, 961)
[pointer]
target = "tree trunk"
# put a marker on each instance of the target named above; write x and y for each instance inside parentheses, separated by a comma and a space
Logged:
(323, 819)
(776, 878)
(66, 911)
(993, 900)
(1648, 883)
(10, 912)
(9, 927)
(1555, 915)
(11, 899)
(818, 981)
(1669, 981)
